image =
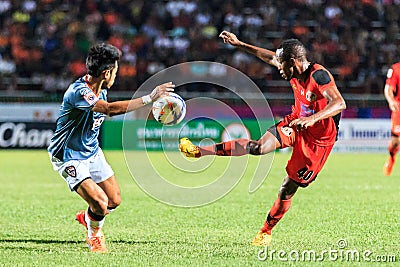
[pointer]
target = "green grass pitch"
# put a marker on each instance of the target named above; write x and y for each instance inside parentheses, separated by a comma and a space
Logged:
(350, 200)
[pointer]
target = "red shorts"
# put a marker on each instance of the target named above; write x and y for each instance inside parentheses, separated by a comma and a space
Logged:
(396, 123)
(307, 158)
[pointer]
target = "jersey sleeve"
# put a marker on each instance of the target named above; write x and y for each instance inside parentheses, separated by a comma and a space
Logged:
(392, 77)
(323, 79)
(85, 98)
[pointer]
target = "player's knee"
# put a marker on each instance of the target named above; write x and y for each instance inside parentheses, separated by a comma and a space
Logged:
(254, 147)
(285, 194)
(114, 202)
(288, 189)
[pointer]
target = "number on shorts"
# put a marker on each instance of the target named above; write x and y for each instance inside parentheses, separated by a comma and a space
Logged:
(304, 174)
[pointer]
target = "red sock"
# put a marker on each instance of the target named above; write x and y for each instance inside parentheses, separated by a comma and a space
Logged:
(276, 213)
(237, 147)
(393, 149)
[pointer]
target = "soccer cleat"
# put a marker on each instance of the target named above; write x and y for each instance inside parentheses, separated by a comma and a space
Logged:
(80, 217)
(387, 168)
(262, 239)
(188, 149)
(97, 243)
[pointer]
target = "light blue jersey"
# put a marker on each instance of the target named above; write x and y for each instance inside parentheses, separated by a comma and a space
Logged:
(78, 127)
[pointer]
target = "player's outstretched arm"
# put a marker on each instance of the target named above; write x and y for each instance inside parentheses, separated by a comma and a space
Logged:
(335, 105)
(265, 55)
(121, 107)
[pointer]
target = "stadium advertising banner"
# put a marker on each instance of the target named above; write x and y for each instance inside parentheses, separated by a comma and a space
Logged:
(25, 135)
(363, 135)
(355, 135)
(27, 126)
(151, 135)
(44, 112)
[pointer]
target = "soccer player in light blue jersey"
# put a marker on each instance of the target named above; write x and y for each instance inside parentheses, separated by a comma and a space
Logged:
(74, 149)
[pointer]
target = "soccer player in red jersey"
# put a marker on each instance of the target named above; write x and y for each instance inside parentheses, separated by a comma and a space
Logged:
(311, 129)
(392, 95)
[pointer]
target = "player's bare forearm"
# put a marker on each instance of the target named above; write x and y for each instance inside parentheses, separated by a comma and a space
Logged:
(265, 55)
(389, 95)
(125, 106)
(332, 109)
(118, 107)
(122, 107)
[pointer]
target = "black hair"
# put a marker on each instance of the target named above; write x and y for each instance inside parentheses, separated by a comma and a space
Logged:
(293, 48)
(101, 57)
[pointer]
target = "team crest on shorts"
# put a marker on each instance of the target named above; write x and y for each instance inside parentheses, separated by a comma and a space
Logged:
(287, 130)
(71, 171)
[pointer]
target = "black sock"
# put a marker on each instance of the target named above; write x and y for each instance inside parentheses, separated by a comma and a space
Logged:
(111, 209)
(94, 216)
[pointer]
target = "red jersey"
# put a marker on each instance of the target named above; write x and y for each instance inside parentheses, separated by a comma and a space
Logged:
(393, 80)
(309, 99)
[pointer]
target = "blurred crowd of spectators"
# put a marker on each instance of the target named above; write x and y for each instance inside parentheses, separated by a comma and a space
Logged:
(47, 40)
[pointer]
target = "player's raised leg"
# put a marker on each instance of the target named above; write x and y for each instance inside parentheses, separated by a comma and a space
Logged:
(238, 147)
(280, 207)
(393, 148)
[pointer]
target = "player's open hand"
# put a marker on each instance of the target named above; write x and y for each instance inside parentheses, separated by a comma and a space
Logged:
(162, 89)
(230, 38)
(302, 123)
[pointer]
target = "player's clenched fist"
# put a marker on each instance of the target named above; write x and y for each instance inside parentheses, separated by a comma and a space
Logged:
(302, 123)
(393, 105)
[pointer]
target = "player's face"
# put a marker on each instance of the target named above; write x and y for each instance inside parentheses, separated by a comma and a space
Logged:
(110, 77)
(286, 68)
